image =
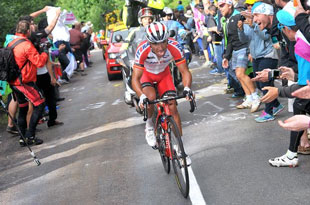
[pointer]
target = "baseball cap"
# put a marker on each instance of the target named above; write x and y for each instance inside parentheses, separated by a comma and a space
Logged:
(220, 2)
(250, 2)
(285, 18)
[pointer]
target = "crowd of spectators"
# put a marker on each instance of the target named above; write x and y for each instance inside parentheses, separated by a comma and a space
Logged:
(253, 43)
(48, 54)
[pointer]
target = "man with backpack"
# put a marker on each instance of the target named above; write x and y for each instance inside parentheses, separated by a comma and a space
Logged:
(28, 60)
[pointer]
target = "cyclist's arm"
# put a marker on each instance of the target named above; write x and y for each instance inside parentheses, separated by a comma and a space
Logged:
(136, 85)
(186, 75)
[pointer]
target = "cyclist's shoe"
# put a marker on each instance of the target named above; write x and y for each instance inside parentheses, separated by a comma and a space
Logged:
(284, 161)
(255, 105)
(150, 136)
(277, 110)
(30, 141)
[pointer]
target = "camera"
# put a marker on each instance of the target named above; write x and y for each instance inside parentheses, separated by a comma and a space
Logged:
(242, 18)
(45, 45)
(275, 73)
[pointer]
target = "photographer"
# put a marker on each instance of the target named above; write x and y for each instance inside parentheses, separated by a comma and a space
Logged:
(263, 56)
(28, 59)
(300, 106)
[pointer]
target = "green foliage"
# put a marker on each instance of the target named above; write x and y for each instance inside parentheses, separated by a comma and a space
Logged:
(11, 10)
(90, 10)
(84, 10)
(174, 3)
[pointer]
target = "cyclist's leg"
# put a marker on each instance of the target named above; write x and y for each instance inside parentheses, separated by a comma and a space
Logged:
(150, 93)
(166, 87)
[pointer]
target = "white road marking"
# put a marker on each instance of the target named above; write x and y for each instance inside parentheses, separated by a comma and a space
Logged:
(194, 189)
(94, 106)
(116, 102)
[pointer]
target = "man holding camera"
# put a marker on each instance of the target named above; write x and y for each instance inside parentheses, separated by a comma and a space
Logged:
(263, 56)
(301, 106)
(28, 60)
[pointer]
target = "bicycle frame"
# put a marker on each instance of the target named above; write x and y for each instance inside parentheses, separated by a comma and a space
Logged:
(162, 113)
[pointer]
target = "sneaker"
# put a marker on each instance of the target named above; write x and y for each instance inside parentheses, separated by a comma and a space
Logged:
(245, 104)
(284, 161)
(229, 91)
(54, 123)
(11, 130)
(30, 141)
(150, 136)
(214, 71)
(255, 105)
(277, 110)
(264, 117)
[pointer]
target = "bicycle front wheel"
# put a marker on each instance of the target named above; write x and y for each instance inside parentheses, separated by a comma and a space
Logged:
(161, 140)
(178, 157)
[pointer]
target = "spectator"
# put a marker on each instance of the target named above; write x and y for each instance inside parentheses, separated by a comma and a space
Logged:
(180, 7)
(12, 106)
(216, 41)
(263, 56)
(237, 51)
(288, 26)
(76, 39)
(27, 56)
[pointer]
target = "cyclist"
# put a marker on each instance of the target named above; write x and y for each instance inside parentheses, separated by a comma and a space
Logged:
(145, 17)
(152, 66)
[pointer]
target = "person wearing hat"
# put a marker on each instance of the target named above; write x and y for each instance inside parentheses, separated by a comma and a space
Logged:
(189, 14)
(301, 106)
(263, 56)
(237, 51)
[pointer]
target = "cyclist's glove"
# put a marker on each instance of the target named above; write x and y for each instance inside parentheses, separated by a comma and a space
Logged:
(188, 92)
(142, 98)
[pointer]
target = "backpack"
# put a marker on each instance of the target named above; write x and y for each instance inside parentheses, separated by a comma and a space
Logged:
(9, 70)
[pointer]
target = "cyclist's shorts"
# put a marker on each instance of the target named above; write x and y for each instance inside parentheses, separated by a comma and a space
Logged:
(164, 81)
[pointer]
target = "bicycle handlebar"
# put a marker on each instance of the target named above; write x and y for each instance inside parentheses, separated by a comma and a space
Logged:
(146, 102)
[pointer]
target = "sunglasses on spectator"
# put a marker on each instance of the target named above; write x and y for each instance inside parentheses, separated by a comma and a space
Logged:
(169, 15)
(248, 5)
(281, 26)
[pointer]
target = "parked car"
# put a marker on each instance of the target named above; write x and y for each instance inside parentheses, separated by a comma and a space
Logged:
(112, 52)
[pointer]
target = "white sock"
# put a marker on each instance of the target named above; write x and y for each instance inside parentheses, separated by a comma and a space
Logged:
(255, 96)
(149, 123)
(248, 98)
(291, 154)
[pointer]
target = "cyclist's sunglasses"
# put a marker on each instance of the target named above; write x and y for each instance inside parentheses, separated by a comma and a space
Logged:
(281, 26)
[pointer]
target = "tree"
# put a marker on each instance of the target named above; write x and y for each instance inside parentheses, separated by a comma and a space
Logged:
(11, 10)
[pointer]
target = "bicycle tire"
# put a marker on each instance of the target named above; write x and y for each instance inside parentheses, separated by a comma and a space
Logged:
(162, 149)
(178, 158)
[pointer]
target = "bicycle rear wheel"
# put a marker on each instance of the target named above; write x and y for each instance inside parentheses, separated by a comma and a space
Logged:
(178, 157)
(162, 148)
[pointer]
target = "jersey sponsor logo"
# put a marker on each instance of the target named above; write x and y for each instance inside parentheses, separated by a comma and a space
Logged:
(141, 49)
(176, 44)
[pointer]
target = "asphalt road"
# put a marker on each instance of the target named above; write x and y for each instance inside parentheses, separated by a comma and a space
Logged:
(100, 156)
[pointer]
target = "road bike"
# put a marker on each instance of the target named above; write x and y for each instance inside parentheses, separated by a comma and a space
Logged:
(169, 141)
